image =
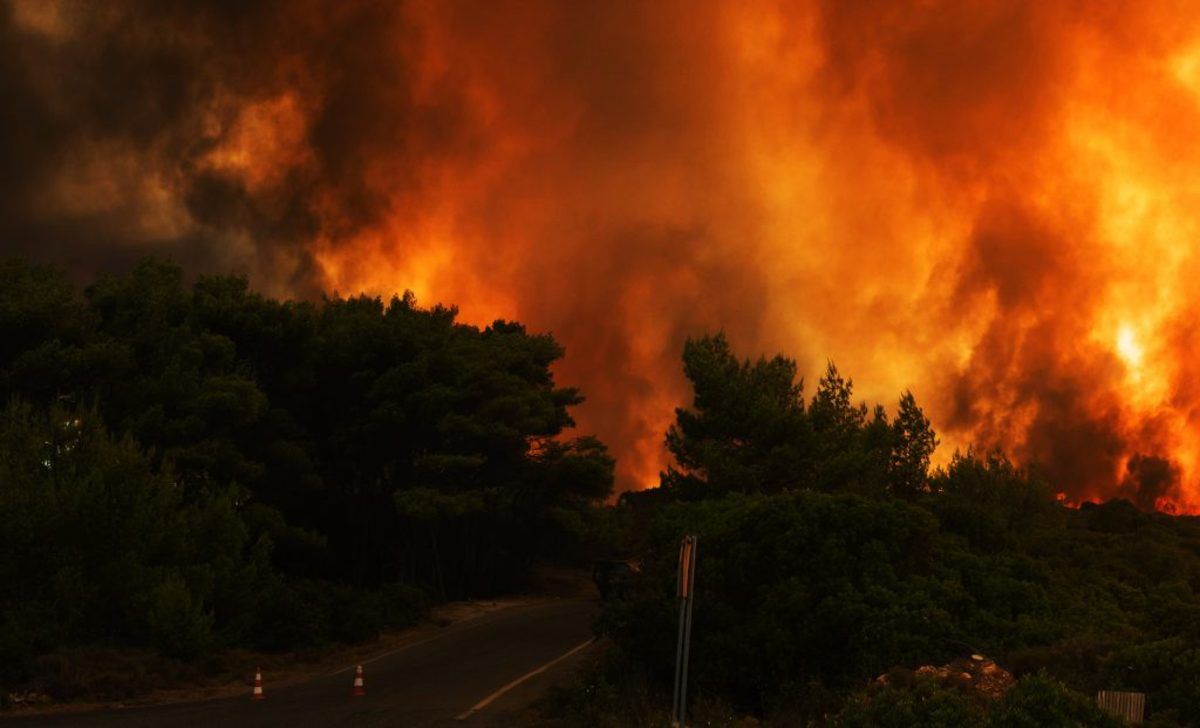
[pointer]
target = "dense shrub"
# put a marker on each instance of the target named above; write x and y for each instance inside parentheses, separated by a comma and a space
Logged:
(1039, 700)
(1036, 701)
(802, 597)
(925, 703)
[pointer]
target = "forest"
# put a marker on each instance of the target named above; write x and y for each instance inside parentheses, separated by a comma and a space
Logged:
(188, 466)
(840, 577)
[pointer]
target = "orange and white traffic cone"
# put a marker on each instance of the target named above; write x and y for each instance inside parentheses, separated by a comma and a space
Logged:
(258, 691)
(358, 682)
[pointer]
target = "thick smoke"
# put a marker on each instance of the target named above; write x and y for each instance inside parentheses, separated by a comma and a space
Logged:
(986, 202)
(1150, 482)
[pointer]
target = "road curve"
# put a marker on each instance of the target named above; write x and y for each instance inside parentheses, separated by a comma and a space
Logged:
(444, 680)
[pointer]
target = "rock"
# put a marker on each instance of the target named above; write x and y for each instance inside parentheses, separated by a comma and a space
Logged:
(979, 675)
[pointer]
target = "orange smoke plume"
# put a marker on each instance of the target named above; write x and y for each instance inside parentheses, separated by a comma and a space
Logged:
(986, 202)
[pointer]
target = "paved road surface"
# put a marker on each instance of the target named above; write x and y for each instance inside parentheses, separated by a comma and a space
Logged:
(430, 682)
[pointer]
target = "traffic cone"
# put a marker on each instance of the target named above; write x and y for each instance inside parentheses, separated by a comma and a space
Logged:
(258, 691)
(358, 682)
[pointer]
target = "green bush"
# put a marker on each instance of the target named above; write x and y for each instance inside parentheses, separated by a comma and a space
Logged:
(1036, 701)
(179, 625)
(925, 703)
(290, 619)
(310, 613)
(829, 591)
(1167, 670)
(97, 673)
(793, 588)
(1039, 700)
(103, 547)
(607, 692)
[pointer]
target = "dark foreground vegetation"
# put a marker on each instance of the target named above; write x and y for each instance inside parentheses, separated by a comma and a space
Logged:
(831, 556)
(190, 468)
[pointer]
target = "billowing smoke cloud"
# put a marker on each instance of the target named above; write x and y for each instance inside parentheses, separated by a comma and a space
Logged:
(987, 202)
(1150, 482)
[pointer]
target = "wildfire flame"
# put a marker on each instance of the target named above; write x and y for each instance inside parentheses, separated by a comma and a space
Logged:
(991, 203)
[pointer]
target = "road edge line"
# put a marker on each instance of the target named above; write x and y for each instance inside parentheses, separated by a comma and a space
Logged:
(533, 673)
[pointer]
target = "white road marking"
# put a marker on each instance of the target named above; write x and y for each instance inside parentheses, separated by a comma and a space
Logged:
(487, 701)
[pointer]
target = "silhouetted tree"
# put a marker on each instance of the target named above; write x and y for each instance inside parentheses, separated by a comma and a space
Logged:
(746, 429)
(913, 443)
(356, 446)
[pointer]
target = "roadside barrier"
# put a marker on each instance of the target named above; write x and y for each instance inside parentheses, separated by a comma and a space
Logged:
(358, 689)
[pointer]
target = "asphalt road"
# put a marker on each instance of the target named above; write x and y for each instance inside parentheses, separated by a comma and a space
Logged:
(435, 681)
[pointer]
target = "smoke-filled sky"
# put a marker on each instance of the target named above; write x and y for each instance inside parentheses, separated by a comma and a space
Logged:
(991, 203)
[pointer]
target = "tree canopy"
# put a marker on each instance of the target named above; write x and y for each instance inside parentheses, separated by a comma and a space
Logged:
(230, 446)
(750, 430)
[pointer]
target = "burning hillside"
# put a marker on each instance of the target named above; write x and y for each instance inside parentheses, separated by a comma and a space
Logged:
(990, 203)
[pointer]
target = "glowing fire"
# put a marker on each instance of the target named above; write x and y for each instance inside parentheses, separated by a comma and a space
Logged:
(990, 203)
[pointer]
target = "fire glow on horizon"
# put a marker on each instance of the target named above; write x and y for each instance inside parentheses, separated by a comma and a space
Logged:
(990, 203)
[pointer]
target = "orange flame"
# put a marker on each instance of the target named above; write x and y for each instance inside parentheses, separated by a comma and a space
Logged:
(990, 203)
